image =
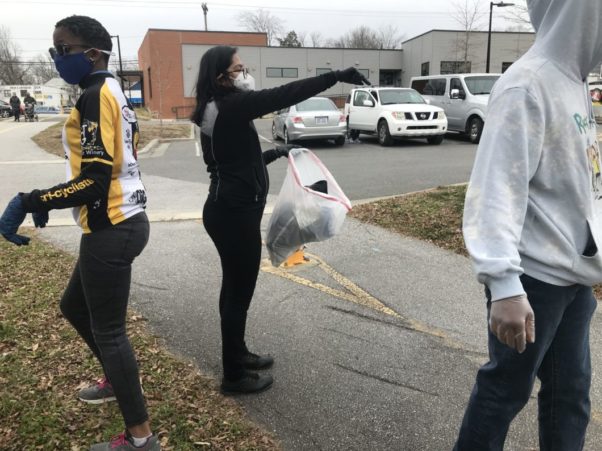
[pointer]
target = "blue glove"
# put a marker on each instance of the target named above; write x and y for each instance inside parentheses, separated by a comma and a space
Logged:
(40, 219)
(11, 219)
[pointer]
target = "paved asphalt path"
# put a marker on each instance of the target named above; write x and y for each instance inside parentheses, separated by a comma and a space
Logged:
(377, 342)
(364, 170)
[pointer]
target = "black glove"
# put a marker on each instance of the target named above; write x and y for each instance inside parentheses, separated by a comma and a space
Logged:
(352, 76)
(11, 219)
(40, 218)
(283, 150)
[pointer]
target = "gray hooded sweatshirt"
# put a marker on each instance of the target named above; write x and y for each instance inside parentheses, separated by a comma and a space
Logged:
(534, 202)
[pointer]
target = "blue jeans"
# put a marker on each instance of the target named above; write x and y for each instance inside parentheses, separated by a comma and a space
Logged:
(560, 358)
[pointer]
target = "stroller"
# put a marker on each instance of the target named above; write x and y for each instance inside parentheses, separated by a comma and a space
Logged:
(30, 112)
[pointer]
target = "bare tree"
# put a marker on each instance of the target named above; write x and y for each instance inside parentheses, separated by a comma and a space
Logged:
(334, 43)
(518, 16)
(316, 39)
(363, 37)
(467, 13)
(389, 37)
(42, 69)
(12, 71)
(262, 21)
(302, 38)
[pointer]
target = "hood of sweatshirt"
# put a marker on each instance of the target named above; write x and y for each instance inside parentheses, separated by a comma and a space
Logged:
(569, 32)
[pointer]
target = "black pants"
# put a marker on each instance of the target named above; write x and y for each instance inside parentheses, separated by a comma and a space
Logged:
(95, 303)
(237, 237)
(16, 113)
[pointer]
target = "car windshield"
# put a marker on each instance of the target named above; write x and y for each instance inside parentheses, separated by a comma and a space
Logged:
(397, 96)
(316, 105)
(480, 85)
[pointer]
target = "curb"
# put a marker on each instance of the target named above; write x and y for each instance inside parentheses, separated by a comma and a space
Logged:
(355, 203)
(156, 142)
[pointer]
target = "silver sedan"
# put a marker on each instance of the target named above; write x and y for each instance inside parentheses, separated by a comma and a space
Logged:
(314, 118)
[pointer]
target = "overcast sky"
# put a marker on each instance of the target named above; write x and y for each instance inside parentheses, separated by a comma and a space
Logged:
(31, 22)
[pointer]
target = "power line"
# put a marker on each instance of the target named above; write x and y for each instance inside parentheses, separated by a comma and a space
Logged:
(175, 4)
(46, 63)
(23, 38)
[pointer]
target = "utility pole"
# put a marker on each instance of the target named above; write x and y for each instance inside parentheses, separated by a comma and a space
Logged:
(491, 5)
(205, 10)
(120, 63)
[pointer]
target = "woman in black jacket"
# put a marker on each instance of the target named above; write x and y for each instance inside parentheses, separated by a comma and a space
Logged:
(226, 107)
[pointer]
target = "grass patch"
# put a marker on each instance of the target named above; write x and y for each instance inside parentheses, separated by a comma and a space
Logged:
(50, 139)
(434, 216)
(153, 130)
(43, 363)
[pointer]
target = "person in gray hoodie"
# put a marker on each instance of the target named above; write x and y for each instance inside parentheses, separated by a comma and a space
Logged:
(532, 228)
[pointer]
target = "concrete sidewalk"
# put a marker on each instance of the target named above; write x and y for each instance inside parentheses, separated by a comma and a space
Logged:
(377, 342)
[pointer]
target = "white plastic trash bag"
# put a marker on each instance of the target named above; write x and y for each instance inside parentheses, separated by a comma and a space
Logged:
(310, 207)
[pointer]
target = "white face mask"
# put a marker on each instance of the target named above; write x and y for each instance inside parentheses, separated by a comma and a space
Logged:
(244, 82)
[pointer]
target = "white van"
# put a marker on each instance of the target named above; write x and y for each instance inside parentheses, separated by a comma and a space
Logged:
(464, 97)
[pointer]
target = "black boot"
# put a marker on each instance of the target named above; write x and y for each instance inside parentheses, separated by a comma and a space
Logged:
(257, 362)
(248, 383)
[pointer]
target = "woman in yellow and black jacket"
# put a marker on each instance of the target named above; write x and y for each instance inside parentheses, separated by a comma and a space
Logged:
(107, 196)
(226, 107)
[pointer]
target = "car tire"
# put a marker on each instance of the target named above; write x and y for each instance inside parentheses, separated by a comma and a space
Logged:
(475, 129)
(435, 140)
(384, 137)
(354, 134)
(275, 136)
(4, 114)
(339, 141)
(287, 140)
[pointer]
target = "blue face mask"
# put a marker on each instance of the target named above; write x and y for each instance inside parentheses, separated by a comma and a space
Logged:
(73, 68)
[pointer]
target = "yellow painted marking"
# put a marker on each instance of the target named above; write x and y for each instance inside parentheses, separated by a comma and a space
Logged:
(353, 293)
(596, 417)
(9, 129)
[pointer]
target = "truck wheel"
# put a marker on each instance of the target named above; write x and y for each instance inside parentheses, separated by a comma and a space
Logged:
(339, 141)
(435, 140)
(475, 129)
(384, 137)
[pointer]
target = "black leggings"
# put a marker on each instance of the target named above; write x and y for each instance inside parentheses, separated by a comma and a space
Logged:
(95, 303)
(237, 237)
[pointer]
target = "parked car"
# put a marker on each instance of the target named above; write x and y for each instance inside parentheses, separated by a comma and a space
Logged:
(464, 97)
(5, 109)
(314, 118)
(42, 109)
(394, 113)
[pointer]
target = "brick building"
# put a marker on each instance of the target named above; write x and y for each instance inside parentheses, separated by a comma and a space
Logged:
(162, 66)
(169, 62)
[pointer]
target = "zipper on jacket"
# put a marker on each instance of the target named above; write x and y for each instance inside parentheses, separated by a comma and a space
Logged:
(257, 184)
(265, 176)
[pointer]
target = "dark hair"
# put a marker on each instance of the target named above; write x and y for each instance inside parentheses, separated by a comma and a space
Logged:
(90, 30)
(213, 63)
